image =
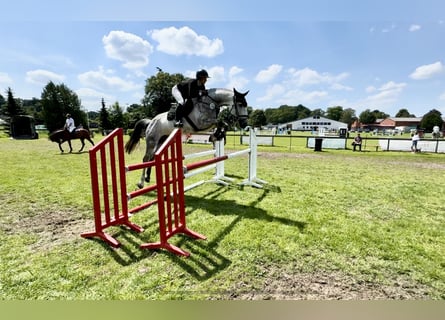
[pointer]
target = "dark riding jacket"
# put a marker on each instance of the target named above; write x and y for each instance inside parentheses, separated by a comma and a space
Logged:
(191, 89)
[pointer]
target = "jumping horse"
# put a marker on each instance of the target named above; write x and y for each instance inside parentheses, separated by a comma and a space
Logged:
(62, 135)
(218, 109)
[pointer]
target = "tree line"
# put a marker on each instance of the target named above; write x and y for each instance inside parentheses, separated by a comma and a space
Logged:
(57, 100)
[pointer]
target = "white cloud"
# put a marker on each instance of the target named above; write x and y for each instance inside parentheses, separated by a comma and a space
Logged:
(131, 49)
(92, 99)
(5, 79)
(275, 90)
(303, 97)
(339, 86)
(442, 96)
(389, 29)
(42, 77)
(392, 86)
(233, 71)
(280, 95)
(290, 91)
(186, 41)
(268, 74)
(414, 27)
(386, 95)
(216, 75)
(370, 89)
(236, 79)
(106, 80)
(219, 77)
(427, 71)
(307, 76)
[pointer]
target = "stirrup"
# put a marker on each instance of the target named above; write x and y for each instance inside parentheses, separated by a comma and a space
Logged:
(179, 124)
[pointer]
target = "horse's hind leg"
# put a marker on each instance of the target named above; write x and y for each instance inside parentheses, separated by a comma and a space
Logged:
(141, 182)
(145, 176)
(71, 148)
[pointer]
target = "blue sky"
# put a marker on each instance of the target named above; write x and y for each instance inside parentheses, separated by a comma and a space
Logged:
(383, 55)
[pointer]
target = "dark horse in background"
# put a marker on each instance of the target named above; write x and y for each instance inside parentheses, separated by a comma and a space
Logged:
(219, 109)
(62, 135)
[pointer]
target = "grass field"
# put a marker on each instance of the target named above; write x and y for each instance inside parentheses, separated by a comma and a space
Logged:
(328, 225)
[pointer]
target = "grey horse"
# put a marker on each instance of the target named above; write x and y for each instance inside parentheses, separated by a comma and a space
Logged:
(219, 108)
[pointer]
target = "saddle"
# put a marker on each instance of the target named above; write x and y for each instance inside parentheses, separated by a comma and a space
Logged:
(172, 112)
(205, 106)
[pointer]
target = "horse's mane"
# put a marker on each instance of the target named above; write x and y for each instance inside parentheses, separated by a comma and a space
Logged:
(221, 94)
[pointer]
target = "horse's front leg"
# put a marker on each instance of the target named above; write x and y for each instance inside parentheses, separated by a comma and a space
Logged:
(71, 148)
(83, 144)
(60, 146)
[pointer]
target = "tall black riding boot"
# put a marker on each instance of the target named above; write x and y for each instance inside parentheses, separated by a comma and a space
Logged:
(178, 116)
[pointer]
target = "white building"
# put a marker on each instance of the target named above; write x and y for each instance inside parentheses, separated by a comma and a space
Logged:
(316, 123)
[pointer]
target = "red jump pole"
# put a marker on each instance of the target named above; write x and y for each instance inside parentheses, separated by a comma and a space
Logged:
(100, 181)
(203, 163)
(171, 202)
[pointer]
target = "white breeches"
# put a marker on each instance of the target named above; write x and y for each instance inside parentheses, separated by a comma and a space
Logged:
(177, 95)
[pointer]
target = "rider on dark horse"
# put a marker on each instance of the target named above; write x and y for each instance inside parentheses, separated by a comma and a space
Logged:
(185, 91)
(69, 124)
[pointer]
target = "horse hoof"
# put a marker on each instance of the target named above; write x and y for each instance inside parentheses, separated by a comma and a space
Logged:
(140, 185)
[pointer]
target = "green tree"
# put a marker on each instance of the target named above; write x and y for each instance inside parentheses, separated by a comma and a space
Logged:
(286, 113)
(302, 112)
(334, 113)
(317, 113)
(158, 97)
(348, 116)
(57, 101)
(13, 106)
(117, 118)
(257, 118)
(104, 118)
(93, 119)
(431, 119)
(404, 113)
(380, 114)
(135, 112)
(34, 108)
(2, 104)
(367, 117)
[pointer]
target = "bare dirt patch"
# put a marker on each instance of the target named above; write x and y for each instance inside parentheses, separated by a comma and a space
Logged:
(332, 286)
(51, 228)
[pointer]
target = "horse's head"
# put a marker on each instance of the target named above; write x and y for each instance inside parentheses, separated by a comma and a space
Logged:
(233, 106)
(240, 107)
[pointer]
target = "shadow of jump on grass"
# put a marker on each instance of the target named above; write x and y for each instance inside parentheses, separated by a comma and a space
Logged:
(205, 260)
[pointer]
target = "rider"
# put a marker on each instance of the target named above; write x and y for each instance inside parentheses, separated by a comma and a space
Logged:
(69, 124)
(185, 91)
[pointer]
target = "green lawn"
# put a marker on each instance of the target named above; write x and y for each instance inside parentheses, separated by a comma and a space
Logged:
(328, 225)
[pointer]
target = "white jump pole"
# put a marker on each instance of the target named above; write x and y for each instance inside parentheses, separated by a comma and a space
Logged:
(219, 176)
(252, 179)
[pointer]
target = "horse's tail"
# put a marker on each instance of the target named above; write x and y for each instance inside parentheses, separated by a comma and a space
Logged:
(138, 132)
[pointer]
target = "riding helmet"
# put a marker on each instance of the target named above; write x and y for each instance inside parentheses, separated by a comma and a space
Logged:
(201, 74)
